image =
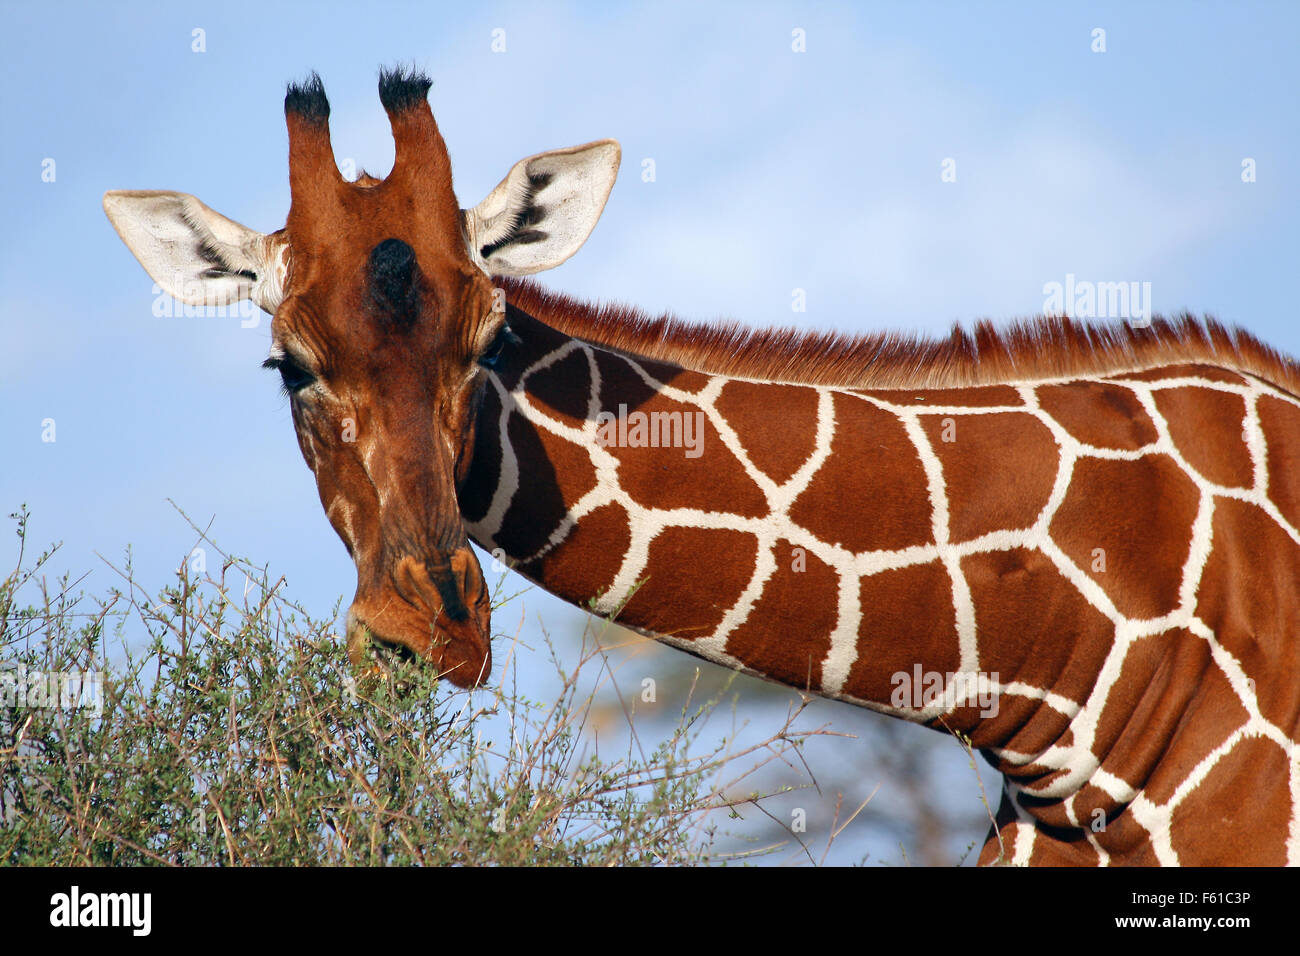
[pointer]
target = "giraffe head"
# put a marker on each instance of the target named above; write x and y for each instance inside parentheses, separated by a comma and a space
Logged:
(385, 322)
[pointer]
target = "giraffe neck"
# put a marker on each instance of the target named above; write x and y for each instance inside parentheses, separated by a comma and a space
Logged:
(1045, 567)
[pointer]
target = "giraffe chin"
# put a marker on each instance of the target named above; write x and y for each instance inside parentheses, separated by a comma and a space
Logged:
(410, 616)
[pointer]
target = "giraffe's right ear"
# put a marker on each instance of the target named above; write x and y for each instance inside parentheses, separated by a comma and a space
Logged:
(543, 211)
(195, 254)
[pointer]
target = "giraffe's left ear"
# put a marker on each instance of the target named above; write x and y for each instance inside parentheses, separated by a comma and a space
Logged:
(543, 211)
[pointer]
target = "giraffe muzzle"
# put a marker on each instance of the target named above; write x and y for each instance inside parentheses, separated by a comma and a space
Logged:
(435, 609)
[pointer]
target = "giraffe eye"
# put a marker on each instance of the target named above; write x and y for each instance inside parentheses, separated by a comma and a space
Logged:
(295, 377)
(292, 375)
(491, 356)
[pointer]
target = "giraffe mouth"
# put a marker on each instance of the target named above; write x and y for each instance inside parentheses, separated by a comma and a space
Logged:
(377, 660)
(385, 652)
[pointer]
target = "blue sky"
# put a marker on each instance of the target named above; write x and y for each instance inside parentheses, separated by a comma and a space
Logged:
(774, 170)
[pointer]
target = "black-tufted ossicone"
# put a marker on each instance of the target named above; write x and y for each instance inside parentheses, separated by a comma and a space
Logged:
(395, 281)
(400, 89)
(307, 99)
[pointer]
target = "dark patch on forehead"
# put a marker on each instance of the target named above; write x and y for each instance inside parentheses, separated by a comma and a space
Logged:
(307, 99)
(395, 281)
(400, 89)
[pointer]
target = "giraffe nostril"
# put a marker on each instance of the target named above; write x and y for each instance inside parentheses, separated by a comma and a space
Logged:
(449, 587)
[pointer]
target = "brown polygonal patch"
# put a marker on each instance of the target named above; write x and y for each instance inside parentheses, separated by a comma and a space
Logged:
(1209, 372)
(907, 622)
(1206, 426)
(1099, 414)
(871, 494)
(563, 389)
(1248, 597)
(585, 563)
(692, 578)
(707, 476)
(1280, 422)
(540, 340)
(553, 473)
(1240, 814)
(1139, 514)
(788, 632)
(776, 424)
(1033, 625)
(619, 382)
(1160, 675)
(1212, 716)
(998, 470)
(575, 475)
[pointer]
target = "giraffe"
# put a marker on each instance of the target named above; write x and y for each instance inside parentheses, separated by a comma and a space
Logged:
(1074, 544)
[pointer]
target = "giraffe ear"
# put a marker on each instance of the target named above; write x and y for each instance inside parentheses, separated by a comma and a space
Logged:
(543, 211)
(196, 255)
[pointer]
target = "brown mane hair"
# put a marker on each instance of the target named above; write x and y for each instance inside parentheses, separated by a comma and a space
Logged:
(1025, 350)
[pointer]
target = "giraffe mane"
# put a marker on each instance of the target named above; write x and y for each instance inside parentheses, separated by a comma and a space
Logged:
(1046, 347)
